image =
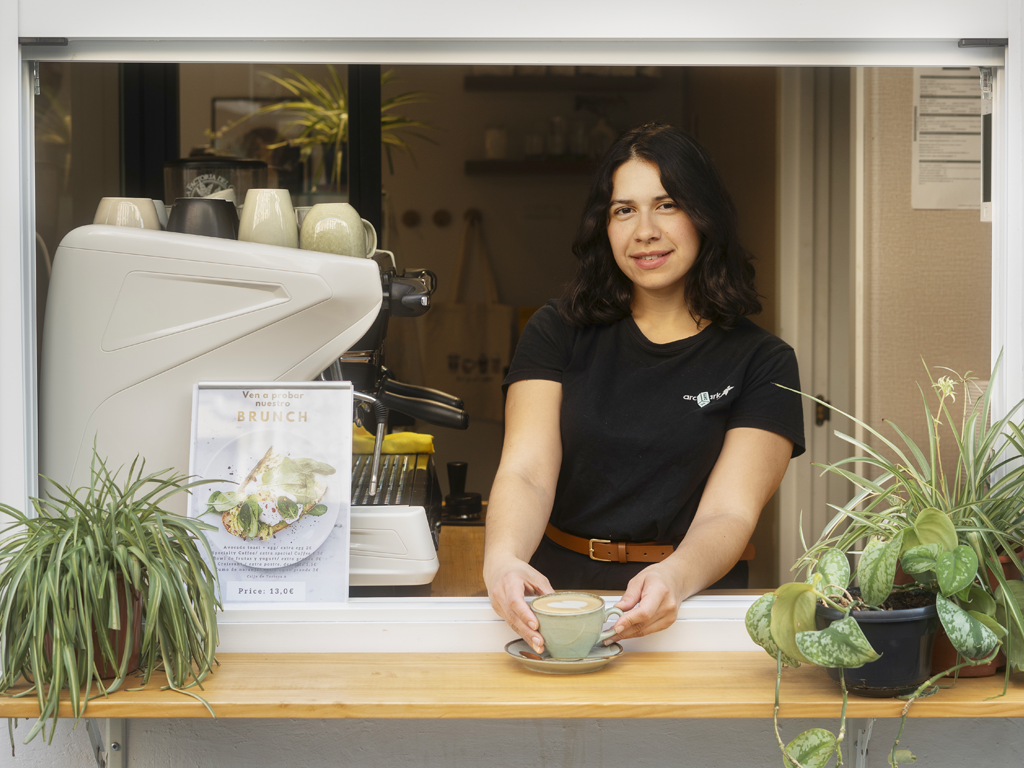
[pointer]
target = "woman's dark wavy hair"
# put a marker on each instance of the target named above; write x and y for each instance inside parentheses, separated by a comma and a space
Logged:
(719, 287)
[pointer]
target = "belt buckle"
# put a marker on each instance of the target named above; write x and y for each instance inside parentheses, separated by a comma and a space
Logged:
(593, 556)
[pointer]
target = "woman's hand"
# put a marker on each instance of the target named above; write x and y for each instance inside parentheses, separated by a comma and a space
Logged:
(510, 584)
(650, 602)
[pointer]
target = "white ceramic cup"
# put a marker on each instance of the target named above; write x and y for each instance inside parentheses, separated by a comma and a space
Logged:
(161, 212)
(337, 228)
(268, 217)
(137, 212)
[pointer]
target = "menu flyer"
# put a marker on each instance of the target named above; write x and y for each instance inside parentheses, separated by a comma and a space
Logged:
(276, 458)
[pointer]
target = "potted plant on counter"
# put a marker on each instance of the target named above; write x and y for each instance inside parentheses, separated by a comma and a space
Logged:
(101, 582)
(946, 528)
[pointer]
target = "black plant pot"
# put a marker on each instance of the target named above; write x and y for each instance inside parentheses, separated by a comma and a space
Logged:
(904, 638)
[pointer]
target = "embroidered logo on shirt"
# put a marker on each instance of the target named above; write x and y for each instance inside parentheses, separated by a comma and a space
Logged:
(704, 398)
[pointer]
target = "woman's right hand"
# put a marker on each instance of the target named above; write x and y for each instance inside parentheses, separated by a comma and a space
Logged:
(508, 584)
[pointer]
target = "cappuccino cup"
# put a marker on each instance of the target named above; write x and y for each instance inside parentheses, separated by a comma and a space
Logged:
(571, 622)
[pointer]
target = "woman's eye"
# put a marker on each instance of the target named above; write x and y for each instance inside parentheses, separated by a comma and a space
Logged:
(668, 206)
(621, 211)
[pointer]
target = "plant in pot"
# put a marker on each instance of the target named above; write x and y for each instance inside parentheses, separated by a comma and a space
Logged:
(946, 529)
(102, 582)
(320, 112)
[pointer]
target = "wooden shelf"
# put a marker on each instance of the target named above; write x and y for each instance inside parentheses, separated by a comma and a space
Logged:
(561, 83)
(536, 167)
(492, 685)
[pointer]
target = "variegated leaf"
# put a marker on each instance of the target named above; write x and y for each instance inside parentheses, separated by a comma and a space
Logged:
(758, 621)
(921, 558)
(956, 570)
(811, 749)
(792, 612)
(969, 636)
(877, 568)
(841, 644)
(834, 568)
(935, 527)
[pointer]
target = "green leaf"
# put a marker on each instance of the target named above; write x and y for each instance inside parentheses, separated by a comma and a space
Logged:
(935, 527)
(317, 467)
(980, 601)
(758, 622)
(997, 629)
(841, 644)
(834, 568)
(910, 541)
(289, 509)
(1005, 615)
(967, 634)
(792, 612)
(921, 558)
(811, 749)
(318, 510)
(224, 502)
(249, 517)
(877, 569)
(901, 757)
(956, 570)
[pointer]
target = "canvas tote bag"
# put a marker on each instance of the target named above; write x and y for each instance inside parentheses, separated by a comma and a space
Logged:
(466, 343)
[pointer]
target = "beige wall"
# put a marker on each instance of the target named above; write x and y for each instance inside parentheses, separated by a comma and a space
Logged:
(927, 273)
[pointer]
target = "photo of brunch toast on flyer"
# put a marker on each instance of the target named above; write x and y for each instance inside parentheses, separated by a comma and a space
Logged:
(278, 492)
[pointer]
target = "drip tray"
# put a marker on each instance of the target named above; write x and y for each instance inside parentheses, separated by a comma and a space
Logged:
(403, 480)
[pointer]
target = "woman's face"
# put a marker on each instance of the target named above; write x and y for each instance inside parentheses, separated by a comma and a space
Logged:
(653, 240)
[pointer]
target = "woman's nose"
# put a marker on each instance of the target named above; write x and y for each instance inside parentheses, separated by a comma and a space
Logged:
(646, 228)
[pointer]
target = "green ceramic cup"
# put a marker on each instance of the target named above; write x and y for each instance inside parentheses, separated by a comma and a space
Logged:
(571, 622)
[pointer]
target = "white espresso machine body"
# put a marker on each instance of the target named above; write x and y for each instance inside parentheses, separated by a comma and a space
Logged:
(135, 317)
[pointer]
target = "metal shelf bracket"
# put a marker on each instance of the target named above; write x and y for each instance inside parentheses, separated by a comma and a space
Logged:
(109, 739)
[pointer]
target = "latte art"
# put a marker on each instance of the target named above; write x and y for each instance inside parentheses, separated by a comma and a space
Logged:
(563, 603)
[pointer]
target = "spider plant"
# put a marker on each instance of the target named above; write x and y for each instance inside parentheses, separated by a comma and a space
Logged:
(66, 573)
(321, 117)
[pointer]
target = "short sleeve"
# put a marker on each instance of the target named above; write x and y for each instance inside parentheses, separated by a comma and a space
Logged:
(544, 348)
(764, 404)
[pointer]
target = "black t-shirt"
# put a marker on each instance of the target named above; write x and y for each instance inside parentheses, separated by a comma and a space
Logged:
(643, 424)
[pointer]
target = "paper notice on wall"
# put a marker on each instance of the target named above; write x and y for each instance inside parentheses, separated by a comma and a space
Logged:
(947, 139)
(277, 461)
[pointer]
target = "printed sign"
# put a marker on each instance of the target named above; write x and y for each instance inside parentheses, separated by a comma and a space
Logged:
(277, 459)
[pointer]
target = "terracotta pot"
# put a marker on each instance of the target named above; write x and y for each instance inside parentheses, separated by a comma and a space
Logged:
(902, 577)
(118, 637)
(944, 656)
(1010, 571)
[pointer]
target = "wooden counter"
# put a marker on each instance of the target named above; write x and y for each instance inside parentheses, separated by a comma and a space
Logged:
(492, 685)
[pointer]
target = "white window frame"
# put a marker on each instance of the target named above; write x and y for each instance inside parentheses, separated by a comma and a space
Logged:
(741, 32)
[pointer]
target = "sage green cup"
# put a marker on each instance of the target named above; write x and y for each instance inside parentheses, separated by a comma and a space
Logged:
(571, 622)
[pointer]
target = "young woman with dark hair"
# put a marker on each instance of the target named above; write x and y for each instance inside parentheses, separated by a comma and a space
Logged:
(644, 432)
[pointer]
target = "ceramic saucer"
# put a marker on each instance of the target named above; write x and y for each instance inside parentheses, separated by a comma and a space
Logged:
(599, 656)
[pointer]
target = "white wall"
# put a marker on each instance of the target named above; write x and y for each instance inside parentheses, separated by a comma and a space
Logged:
(515, 743)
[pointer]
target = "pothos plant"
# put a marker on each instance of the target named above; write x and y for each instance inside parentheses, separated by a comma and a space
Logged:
(946, 529)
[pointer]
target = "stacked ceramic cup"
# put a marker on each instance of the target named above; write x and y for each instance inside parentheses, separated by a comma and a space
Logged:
(268, 217)
(337, 228)
(137, 212)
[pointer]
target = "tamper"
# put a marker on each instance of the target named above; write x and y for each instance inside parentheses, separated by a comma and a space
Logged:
(460, 505)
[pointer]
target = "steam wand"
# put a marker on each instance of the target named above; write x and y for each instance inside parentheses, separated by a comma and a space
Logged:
(380, 411)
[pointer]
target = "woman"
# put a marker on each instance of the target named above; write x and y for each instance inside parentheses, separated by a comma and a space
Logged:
(644, 429)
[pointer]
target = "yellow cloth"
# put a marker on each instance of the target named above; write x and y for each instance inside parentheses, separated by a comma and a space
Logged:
(399, 442)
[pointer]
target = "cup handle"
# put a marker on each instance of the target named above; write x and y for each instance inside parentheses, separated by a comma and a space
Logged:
(371, 238)
(607, 615)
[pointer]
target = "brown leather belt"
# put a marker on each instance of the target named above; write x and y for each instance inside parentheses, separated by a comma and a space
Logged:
(611, 551)
(620, 551)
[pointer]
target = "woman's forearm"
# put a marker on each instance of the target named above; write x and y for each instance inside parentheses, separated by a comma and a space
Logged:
(517, 513)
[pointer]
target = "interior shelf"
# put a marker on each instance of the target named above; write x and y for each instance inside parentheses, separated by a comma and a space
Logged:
(563, 83)
(534, 166)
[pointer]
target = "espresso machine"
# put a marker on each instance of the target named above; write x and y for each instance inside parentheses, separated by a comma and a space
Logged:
(135, 317)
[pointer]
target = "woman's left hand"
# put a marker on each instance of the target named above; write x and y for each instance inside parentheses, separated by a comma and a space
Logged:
(650, 602)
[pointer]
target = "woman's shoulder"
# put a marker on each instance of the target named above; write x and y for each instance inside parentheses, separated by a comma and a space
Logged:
(749, 334)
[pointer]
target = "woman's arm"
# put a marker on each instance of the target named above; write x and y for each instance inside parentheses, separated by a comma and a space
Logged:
(520, 502)
(747, 473)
